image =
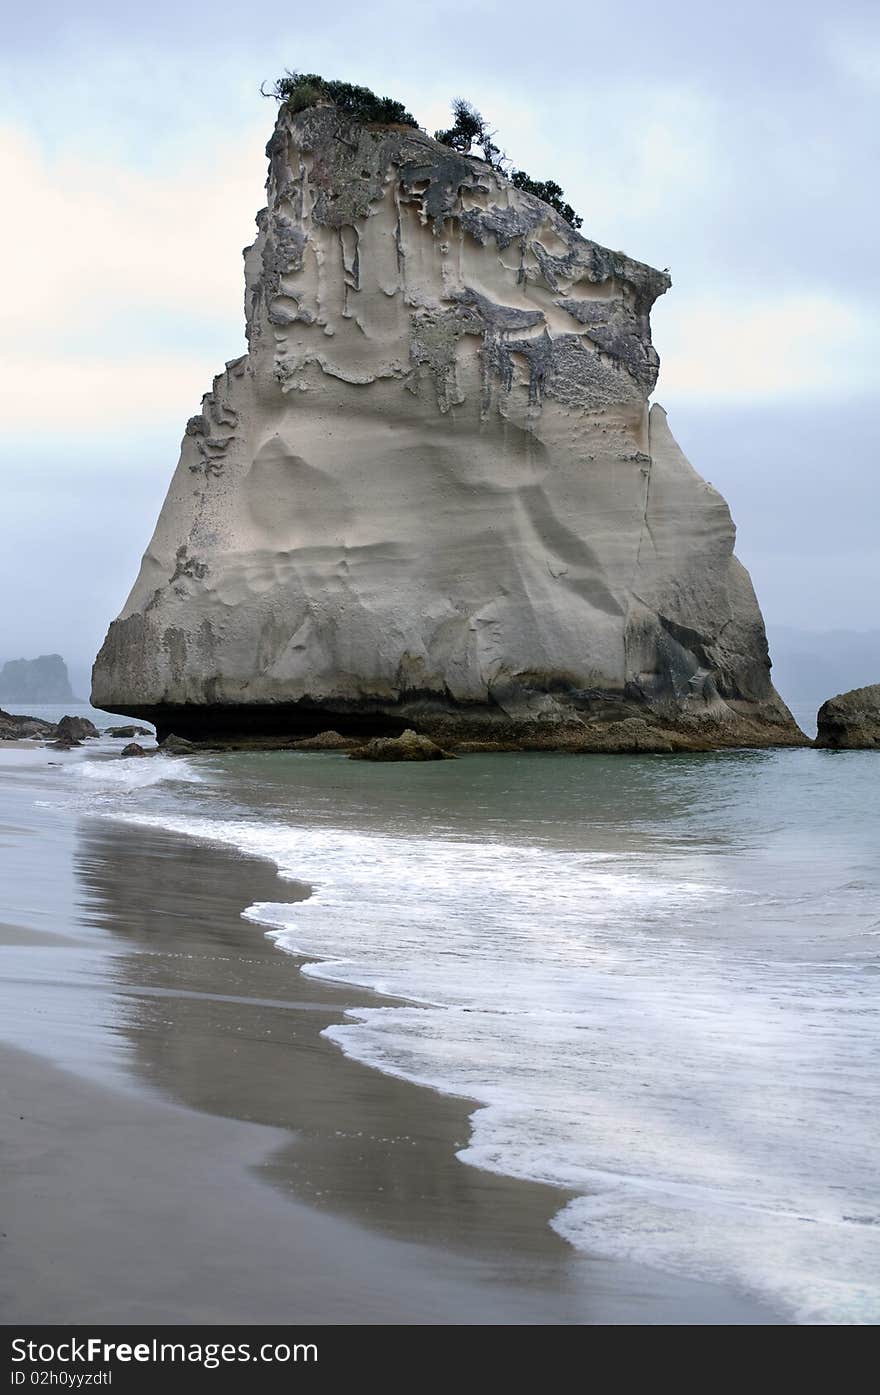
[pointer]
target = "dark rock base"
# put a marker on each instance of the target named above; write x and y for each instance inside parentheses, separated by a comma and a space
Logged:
(616, 726)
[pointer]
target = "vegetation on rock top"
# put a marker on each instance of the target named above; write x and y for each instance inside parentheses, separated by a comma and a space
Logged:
(298, 91)
(471, 128)
(550, 192)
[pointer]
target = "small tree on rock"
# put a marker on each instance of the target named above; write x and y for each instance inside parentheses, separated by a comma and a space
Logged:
(470, 129)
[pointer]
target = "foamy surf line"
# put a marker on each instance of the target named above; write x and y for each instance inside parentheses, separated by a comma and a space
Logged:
(556, 990)
(135, 772)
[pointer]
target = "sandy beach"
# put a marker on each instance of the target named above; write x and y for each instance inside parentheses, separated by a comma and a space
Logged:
(219, 1161)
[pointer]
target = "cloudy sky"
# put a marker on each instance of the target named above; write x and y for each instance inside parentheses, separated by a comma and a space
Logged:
(736, 145)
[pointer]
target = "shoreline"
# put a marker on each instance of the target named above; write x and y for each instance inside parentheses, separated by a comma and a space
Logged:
(333, 1187)
(109, 1215)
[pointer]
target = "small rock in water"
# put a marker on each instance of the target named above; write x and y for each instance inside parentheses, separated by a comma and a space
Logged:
(75, 728)
(177, 746)
(133, 749)
(851, 721)
(408, 746)
(128, 731)
(325, 741)
(14, 727)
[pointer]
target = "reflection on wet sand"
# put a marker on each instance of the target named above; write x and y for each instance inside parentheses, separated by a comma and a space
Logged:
(222, 1021)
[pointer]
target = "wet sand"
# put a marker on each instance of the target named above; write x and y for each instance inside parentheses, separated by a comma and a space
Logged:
(238, 1167)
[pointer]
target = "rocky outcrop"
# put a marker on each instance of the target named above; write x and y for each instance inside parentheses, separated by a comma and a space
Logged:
(21, 728)
(35, 680)
(851, 721)
(171, 746)
(325, 741)
(432, 495)
(408, 746)
(63, 735)
(76, 729)
(176, 746)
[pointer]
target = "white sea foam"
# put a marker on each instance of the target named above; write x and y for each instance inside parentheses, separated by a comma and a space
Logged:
(134, 772)
(712, 1105)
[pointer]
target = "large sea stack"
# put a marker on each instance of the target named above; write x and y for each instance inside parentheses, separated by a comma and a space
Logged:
(432, 495)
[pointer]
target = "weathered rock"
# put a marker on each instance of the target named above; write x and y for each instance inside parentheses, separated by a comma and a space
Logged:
(21, 728)
(851, 721)
(133, 749)
(64, 743)
(325, 741)
(632, 736)
(76, 728)
(128, 731)
(177, 746)
(432, 493)
(408, 746)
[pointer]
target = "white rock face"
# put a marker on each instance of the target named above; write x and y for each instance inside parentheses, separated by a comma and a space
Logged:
(432, 494)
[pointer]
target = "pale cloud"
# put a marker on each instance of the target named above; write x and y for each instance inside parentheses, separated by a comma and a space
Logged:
(636, 160)
(670, 153)
(103, 255)
(857, 54)
(741, 348)
(90, 238)
(66, 395)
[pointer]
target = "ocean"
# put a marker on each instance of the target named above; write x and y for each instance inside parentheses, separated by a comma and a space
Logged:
(655, 976)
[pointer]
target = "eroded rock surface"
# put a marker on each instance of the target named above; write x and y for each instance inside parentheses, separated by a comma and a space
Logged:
(432, 494)
(851, 721)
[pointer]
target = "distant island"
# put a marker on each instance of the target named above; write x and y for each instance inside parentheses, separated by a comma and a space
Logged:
(36, 680)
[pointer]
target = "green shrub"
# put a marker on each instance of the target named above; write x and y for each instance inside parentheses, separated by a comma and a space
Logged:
(550, 192)
(471, 129)
(297, 91)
